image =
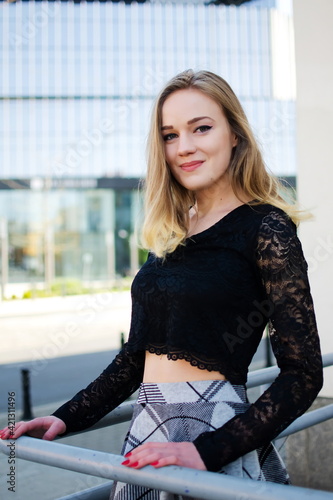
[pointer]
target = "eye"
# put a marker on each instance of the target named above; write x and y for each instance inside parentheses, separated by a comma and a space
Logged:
(169, 137)
(203, 128)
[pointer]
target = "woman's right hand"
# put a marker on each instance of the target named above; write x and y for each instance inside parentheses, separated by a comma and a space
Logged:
(41, 427)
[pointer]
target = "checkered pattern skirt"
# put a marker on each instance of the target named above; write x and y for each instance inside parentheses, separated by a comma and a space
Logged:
(180, 411)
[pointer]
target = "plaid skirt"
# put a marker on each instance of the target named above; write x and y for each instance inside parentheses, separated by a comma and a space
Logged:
(180, 411)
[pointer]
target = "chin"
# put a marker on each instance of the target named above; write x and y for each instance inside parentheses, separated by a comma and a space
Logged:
(198, 186)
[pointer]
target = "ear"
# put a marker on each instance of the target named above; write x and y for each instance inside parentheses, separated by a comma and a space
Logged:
(234, 140)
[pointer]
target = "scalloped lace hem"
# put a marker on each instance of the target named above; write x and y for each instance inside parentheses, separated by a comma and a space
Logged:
(210, 365)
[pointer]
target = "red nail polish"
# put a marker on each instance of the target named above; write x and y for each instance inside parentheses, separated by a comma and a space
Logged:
(128, 454)
(134, 464)
(125, 462)
(155, 463)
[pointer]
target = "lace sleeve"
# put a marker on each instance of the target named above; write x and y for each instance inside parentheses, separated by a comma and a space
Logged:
(295, 343)
(116, 383)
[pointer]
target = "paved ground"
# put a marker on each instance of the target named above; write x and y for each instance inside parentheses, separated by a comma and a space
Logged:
(55, 380)
(43, 329)
(54, 338)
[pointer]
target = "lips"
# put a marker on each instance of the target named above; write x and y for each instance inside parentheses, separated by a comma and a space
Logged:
(191, 165)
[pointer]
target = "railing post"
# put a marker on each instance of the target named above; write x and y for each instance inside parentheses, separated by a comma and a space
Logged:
(27, 413)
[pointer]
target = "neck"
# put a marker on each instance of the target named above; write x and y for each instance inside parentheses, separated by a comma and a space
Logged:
(221, 200)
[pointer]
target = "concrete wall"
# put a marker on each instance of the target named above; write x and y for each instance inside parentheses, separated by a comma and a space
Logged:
(314, 72)
(308, 454)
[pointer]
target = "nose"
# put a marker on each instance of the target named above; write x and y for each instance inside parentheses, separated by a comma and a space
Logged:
(186, 145)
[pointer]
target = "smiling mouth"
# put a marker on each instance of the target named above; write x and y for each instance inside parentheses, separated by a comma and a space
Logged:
(190, 166)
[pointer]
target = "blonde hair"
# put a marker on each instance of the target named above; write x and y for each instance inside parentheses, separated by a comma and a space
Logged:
(167, 202)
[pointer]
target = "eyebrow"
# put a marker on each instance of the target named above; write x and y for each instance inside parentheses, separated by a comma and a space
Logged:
(193, 120)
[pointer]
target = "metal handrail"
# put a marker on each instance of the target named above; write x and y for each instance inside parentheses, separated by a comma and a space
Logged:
(109, 466)
(179, 480)
(307, 420)
(267, 375)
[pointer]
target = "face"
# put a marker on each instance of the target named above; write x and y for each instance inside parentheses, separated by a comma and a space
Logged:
(197, 138)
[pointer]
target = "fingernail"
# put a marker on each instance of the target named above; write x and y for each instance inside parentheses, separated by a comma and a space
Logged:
(155, 463)
(134, 464)
(128, 454)
(125, 462)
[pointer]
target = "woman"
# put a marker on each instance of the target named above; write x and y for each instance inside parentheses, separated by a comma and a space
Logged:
(224, 260)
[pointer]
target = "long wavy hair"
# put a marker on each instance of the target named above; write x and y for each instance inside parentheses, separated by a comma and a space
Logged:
(167, 202)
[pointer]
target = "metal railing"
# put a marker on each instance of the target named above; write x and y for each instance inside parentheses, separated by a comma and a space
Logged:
(178, 480)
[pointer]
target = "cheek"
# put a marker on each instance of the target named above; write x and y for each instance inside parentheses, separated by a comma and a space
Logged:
(224, 152)
(168, 158)
(173, 171)
(168, 152)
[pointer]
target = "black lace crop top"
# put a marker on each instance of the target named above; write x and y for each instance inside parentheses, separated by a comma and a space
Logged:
(208, 303)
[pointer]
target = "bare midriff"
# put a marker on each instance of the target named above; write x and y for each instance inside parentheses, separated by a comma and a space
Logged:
(159, 369)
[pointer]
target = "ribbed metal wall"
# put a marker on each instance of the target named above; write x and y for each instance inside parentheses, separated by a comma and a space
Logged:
(77, 80)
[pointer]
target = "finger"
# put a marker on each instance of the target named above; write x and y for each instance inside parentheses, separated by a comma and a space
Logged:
(8, 432)
(138, 460)
(149, 452)
(37, 424)
(161, 454)
(52, 432)
(145, 446)
(3, 433)
(19, 430)
(143, 449)
(29, 427)
(45, 427)
(163, 461)
(25, 427)
(156, 461)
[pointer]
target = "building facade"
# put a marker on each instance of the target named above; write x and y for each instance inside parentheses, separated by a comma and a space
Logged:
(76, 88)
